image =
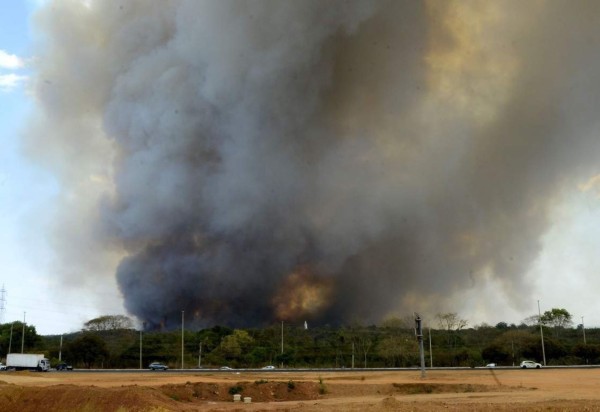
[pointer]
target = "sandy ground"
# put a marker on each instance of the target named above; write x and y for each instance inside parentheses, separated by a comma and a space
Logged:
(464, 390)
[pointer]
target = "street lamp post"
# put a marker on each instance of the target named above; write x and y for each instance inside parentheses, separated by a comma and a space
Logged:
(23, 334)
(583, 329)
(10, 340)
(182, 313)
(282, 344)
(541, 332)
(430, 351)
(200, 356)
(141, 348)
(419, 333)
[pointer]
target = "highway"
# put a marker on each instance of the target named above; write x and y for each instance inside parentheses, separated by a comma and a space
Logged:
(296, 370)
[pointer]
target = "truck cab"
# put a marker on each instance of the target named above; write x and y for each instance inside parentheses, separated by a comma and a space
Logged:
(44, 365)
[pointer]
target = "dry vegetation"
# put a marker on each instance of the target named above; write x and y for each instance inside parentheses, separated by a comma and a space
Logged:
(478, 389)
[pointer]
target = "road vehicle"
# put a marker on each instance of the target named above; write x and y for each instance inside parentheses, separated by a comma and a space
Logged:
(527, 364)
(490, 365)
(157, 366)
(2, 367)
(27, 361)
(269, 367)
(225, 368)
(63, 366)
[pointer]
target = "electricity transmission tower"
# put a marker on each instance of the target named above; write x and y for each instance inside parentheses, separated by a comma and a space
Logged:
(2, 303)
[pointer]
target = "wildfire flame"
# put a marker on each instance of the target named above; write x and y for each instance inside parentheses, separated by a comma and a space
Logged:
(302, 294)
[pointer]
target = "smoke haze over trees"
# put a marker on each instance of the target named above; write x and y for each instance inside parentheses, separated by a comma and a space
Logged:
(250, 162)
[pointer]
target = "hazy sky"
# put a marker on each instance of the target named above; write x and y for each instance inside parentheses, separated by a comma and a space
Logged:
(564, 274)
(27, 193)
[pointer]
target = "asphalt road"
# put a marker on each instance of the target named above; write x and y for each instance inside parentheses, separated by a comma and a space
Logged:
(284, 370)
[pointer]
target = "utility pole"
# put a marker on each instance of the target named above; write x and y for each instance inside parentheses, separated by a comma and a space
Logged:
(60, 349)
(541, 332)
(141, 329)
(23, 334)
(10, 340)
(182, 313)
(419, 332)
(430, 351)
(352, 355)
(512, 345)
(583, 328)
(200, 356)
(2, 303)
(282, 344)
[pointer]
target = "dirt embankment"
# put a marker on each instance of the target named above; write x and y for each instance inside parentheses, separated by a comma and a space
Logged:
(148, 398)
(477, 390)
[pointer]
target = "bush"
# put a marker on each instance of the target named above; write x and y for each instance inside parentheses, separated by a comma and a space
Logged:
(235, 389)
(322, 387)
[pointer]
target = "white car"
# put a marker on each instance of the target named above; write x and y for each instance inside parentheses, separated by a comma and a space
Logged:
(2, 367)
(157, 366)
(269, 367)
(527, 364)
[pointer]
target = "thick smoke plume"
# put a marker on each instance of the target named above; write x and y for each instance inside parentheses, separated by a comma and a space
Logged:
(255, 161)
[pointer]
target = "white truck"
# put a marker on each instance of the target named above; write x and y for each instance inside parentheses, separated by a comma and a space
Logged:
(27, 361)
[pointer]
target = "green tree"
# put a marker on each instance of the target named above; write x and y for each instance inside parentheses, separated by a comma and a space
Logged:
(451, 323)
(32, 339)
(557, 318)
(108, 322)
(588, 353)
(398, 340)
(233, 345)
(362, 338)
(496, 353)
(502, 325)
(89, 349)
(390, 348)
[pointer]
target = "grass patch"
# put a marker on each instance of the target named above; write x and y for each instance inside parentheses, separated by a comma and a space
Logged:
(322, 388)
(260, 382)
(417, 388)
(291, 385)
(235, 389)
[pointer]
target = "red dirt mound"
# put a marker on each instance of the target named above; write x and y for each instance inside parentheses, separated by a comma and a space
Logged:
(142, 398)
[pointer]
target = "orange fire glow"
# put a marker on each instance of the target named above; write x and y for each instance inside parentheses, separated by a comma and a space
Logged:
(302, 294)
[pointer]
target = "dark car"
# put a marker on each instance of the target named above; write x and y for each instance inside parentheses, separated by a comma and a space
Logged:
(63, 366)
(157, 366)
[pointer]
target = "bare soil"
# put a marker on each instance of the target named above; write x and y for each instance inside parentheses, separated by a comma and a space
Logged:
(464, 390)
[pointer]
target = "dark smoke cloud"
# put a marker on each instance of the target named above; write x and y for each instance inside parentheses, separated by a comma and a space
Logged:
(261, 160)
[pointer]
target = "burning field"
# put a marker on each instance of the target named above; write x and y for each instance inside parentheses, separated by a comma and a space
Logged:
(466, 390)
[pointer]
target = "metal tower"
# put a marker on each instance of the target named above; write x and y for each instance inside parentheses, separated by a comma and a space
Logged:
(2, 303)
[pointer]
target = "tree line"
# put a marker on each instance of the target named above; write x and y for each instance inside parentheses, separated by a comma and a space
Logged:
(112, 342)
